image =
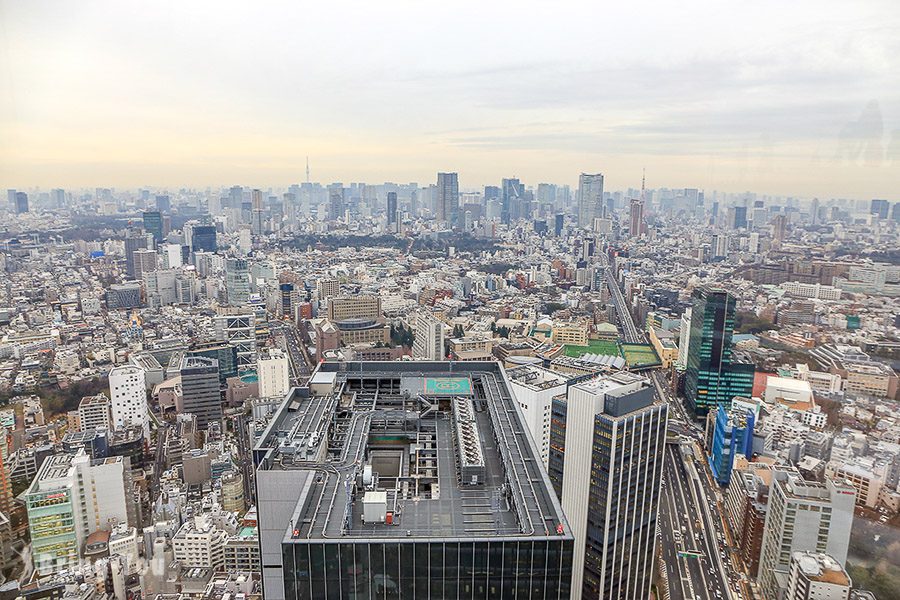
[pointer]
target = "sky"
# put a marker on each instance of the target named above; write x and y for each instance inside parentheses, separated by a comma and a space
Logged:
(795, 98)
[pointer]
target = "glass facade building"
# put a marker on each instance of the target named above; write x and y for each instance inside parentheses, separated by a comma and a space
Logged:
(531, 568)
(713, 377)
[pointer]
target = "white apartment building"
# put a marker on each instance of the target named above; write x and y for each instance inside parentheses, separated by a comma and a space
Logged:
(200, 544)
(811, 290)
(534, 388)
(429, 338)
(94, 412)
(817, 576)
(272, 368)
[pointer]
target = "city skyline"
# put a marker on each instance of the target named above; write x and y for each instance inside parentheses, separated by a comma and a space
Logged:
(125, 96)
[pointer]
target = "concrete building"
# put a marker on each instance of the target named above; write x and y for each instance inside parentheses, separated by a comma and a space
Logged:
(803, 516)
(590, 199)
(817, 576)
(273, 371)
(128, 398)
(534, 388)
(428, 342)
(200, 544)
(200, 389)
(94, 412)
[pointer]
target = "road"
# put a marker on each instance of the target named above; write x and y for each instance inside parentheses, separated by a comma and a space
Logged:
(291, 341)
(696, 561)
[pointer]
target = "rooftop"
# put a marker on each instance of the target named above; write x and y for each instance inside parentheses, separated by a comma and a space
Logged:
(408, 449)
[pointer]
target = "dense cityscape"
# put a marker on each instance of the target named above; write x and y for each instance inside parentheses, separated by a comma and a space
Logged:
(447, 390)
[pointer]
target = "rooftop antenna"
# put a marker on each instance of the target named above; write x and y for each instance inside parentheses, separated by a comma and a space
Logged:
(307, 169)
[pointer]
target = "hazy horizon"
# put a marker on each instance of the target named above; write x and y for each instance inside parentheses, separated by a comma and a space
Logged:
(793, 100)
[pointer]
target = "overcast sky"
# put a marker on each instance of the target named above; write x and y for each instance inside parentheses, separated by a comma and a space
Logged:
(792, 97)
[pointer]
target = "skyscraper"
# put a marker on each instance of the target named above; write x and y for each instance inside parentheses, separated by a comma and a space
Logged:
(733, 434)
(558, 225)
(880, 208)
(21, 203)
(272, 370)
(510, 192)
(133, 241)
(200, 389)
(153, 224)
(615, 431)
(257, 213)
(203, 238)
(163, 203)
(713, 376)
(590, 199)
(145, 261)
(636, 218)
(237, 281)
(447, 204)
(392, 210)
(428, 342)
(468, 515)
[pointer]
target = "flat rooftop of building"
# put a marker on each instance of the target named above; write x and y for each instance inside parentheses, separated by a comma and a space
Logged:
(409, 429)
(535, 377)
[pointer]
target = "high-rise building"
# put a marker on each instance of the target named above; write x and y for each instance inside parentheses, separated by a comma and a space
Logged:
(447, 204)
(558, 225)
(70, 498)
(479, 521)
(615, 432)
(713, 375)
(272, 368)
(511, 190)
(535, 388)
(240, 332)
(133, 241)
(428, 342)
(128, 398)
(153, 224)
(779, 229)
(200, 389)
(145, 261)
(392, 210)
(880, 208)
(6, 495)
(636, 218)
(257, 213)
(58, 196)
(203, 238)
(237, 281)
(163, 203)
(590, 199)
(684, 339)
(327, 288)
(733, 434)
(803, 516)
(817, 576)
(21, 204)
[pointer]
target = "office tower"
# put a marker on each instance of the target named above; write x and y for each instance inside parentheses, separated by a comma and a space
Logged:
(737, 217)
(895, 212)
(615, 432)
(491, 198)
(511, 190)
(817, 576)
(636, 218)
(814, 211)
(203, 238)
(753, 243)
(590, 199)
(447, 203)
(718, 247)
(392, 210)
(128, 398)
(272, 368)
(558, 225)
(466, 528)
(233, 492)
(124, 296)
(153, 225)
(257, 213)
(145, 261)
(11, 199)
(335, 202)
(342, 308)
(200, 389)
(163, 203)
(713, 376)
(162, 288)
(95, 412)
(879, 208)
(534, 388)
(803, 516)
(732, 435)
(428, 342)
(133, 241)
(21, 203)
(237, 281)
(70, 498)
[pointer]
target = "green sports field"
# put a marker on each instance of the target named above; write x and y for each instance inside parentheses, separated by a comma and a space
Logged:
(594, 347)
(639, 355)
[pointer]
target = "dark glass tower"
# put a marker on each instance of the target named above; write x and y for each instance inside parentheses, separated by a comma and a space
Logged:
(713, 376)
(153, 224)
